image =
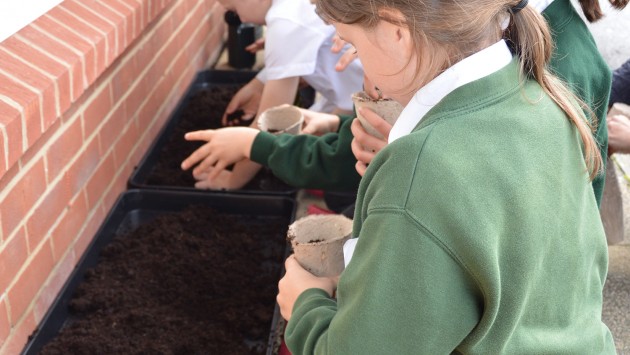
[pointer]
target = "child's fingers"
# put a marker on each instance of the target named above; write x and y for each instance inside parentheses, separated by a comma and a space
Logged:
(203, 135)
(360, 167)
(360, 153)
(357, 148)
(337, 45)
(205, 185)
(195, 157)
(208, 163)
(232, 106)
(217, 168)
(200, 175)
(345, 60)
(290, 261)
(366, 140)
(383, 127)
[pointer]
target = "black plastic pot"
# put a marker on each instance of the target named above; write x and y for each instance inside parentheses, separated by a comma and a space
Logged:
(240, 35)
(137, 207)
(205, 82)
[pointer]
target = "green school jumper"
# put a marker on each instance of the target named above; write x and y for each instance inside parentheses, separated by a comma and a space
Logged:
(328, 162)
(307, 161)
(578, 62)
(478, 234)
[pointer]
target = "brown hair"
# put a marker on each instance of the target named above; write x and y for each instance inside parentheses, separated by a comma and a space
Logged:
(463, 27)
(593, 11)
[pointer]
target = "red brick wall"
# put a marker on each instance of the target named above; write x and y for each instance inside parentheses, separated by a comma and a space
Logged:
(84, 89)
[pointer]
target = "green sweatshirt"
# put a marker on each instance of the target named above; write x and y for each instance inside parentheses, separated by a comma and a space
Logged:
(308, 161)
(578, 62)
(328, 162)
(477, 233)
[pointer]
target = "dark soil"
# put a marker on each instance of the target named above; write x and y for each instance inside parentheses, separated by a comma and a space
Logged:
(203, 110)
(194, 282)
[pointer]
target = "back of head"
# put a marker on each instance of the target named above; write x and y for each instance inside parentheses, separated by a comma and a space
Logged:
(445, 32)
(593, 11)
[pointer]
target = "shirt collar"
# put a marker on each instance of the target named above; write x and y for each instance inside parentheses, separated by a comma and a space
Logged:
(540, 5)
(474, 67)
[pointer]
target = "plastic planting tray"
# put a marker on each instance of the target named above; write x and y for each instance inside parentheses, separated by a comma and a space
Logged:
(141, 210)
(201, 108)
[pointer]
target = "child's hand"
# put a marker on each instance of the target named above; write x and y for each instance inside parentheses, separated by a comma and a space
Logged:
(258, 44)
(225, 179)
(318, 123)
(618, 134)
(347, 57)
(297, 280)
(364, 145)
(246, 99)
(225, 147)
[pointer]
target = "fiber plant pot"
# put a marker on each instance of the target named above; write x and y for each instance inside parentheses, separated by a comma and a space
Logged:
(201, 108)
(281, 119)
(317, 242)
(387, 109)
(175, 273)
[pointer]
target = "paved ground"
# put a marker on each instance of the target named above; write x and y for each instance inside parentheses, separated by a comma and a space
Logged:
(612, 36)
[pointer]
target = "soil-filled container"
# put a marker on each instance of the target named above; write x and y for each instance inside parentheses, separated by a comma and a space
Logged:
(202, 107)
(175, 273)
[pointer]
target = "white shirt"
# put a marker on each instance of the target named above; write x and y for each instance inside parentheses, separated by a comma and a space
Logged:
(479, 65)
(540, 5)
(298, 43)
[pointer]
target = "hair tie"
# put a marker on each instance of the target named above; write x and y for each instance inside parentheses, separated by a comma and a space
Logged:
(518, 7)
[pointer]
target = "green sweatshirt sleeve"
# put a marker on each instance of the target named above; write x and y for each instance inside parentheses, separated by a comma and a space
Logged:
(402, 293)
(307, 161)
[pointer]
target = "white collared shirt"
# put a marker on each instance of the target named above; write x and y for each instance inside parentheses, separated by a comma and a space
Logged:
(540, 5)
(474, 67)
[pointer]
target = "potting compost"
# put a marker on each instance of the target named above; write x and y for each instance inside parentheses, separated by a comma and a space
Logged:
(192, 282)
(203, 110)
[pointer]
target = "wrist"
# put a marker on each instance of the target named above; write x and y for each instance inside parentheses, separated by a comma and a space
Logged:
(251, 134)
(257, 84)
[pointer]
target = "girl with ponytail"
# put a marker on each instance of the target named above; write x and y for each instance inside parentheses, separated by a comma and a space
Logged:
(575, 60)
(476, 229)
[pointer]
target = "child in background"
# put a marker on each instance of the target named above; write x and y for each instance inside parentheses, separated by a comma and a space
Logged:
(297, 44)
(476, 230)
(621, 85)
(619, 124)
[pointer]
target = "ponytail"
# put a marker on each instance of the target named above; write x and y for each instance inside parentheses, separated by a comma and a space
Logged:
(593, 11)
(529, 34)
